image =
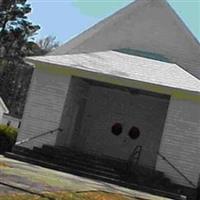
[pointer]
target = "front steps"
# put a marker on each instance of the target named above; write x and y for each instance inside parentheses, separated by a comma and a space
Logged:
(98, 167)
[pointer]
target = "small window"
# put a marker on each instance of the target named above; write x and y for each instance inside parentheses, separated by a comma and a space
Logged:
(134, 133)
(116, 129)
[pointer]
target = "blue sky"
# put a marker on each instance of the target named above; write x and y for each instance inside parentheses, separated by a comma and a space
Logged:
(67, 18)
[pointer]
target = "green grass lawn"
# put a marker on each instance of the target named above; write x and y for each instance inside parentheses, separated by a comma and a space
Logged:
(67, 196)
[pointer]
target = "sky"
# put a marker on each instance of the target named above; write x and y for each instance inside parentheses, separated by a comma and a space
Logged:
(67, 18)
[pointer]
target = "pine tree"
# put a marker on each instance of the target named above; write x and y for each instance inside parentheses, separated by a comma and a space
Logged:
(15, 34)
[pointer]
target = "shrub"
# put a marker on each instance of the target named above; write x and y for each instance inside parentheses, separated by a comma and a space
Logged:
(8, 137)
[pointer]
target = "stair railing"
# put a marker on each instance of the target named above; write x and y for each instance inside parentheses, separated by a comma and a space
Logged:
(135, 156)
(176, 169)
(137, 153)
(37, 136)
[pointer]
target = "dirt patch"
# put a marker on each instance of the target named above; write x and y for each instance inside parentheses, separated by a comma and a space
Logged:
(3, 165)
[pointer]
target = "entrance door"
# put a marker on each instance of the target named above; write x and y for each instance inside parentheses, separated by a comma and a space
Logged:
(141, 118)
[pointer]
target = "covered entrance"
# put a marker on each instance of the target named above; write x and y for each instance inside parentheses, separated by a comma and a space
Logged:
(108, 120)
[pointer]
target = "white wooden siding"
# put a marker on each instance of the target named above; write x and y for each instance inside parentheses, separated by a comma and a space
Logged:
(43, 107)
(181, 141)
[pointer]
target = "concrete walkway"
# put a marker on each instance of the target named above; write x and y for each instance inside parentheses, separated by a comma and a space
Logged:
(20, 177)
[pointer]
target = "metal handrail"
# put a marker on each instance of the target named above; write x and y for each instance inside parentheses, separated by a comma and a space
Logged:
(176, 169)
(135, 156)
(37, 136)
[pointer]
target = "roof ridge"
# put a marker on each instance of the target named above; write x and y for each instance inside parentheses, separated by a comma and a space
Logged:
(97, 27)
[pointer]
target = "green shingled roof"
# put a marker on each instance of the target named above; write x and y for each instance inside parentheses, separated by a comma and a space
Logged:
(144, 54)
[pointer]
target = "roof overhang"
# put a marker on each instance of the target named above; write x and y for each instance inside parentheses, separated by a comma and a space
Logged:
(122, 69)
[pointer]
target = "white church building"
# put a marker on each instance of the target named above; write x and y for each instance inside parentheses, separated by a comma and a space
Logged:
(131, 80)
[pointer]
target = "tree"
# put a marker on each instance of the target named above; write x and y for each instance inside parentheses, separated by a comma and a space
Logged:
(15, 29)
(47, 44)
(15, 34)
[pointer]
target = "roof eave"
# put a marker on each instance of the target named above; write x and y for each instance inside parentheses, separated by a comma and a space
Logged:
(116, 80)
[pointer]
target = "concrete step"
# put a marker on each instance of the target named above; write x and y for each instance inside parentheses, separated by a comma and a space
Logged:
(76, 160)
(107, 160)
(90, 163)
(62, 162)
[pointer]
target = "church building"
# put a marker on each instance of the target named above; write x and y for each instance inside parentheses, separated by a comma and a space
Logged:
(130, 82)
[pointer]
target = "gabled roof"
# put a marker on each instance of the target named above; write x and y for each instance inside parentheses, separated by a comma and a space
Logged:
(3, 105)
(146, 25)
(124, 66)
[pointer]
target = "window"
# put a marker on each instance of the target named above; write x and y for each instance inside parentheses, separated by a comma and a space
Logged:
(116, 129)
(134, 133)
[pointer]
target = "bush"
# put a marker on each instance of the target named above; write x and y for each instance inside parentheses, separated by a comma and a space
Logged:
(8, 137)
